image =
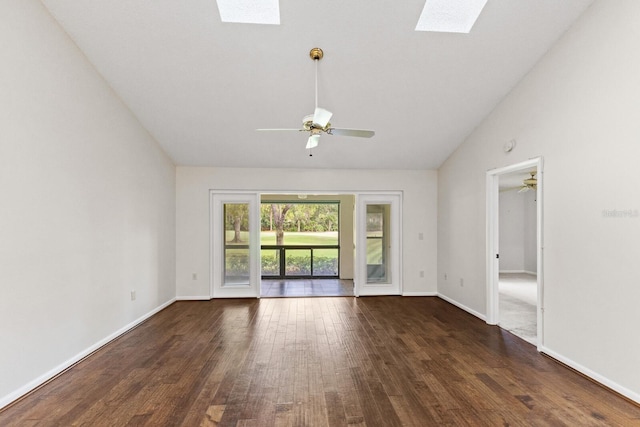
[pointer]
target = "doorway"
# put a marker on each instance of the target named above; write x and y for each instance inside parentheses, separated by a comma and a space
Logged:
(518, 258)
(306, 245)
(236, 268)
(300, 239)
(514, 250)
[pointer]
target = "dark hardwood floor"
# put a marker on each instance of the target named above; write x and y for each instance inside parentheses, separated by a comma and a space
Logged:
(376, 361)
(270, 288)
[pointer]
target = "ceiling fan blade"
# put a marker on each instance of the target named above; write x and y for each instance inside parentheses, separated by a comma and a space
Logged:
(321, 117)
(352, 132)
(297, 130)
(313, 141)
(523, 189)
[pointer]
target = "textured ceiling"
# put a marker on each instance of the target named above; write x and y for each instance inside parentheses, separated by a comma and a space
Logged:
(201, 87)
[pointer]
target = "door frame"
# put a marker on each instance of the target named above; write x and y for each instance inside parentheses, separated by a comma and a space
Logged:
(394, 287)
(492, 240)
(215, 266)
(217, 251)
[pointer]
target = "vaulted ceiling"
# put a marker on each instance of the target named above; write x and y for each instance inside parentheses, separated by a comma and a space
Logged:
(201, 87)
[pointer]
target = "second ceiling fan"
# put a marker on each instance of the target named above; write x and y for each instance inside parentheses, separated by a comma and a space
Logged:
(318, 122)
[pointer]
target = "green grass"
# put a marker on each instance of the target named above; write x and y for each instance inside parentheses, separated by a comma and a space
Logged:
(290, 238)
(304, 238)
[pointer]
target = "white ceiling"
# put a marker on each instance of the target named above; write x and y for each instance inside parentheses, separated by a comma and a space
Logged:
(201, 87)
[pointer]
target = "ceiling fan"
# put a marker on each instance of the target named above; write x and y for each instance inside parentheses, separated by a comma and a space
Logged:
(530, 183)
(318, 122)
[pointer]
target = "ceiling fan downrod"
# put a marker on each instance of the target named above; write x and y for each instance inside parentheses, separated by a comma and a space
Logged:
(316, 54)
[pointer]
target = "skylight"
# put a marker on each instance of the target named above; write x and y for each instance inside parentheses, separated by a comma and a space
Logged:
(250, 11)
(450, 16)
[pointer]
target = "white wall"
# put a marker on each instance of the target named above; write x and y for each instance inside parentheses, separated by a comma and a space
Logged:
(517, 219)
(511, 233)
(87, 205)
(192, 214)
(579, 109)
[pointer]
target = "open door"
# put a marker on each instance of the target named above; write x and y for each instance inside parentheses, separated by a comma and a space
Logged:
(378, 244)
(493, 243)
(235, 241)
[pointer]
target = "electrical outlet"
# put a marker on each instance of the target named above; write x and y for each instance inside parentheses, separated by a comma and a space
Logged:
(133, 295)
(420, 236)
(421, 273)
(445, 276)
(461, 282)
(194, 276)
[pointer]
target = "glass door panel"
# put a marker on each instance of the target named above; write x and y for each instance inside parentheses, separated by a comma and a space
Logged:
(378, 244)
(237, 267)
(235, 248)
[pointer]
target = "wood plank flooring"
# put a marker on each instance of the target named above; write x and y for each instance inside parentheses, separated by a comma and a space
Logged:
(376, 361)
(270, 288)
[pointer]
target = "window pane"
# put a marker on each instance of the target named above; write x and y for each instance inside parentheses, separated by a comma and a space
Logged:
(236, 246)
(297, 230)
(325, 262)
(270, 260)
(298, 262)
(294, 224)
(377, 243)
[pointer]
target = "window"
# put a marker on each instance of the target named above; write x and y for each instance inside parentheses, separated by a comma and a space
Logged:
(300, 239)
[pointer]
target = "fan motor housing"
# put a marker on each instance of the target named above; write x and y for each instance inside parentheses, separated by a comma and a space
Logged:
(307, 124)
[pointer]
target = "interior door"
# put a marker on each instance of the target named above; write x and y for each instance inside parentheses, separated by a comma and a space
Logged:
(378, 244)
(235, 241)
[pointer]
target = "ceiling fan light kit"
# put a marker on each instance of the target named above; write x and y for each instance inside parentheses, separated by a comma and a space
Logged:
(318, 122)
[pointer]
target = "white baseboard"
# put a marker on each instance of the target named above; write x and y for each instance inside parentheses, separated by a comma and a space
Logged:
(463, 307)
(193, 298)
(583, 370)
(419, 294)
(15, 395)
(591, 374)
